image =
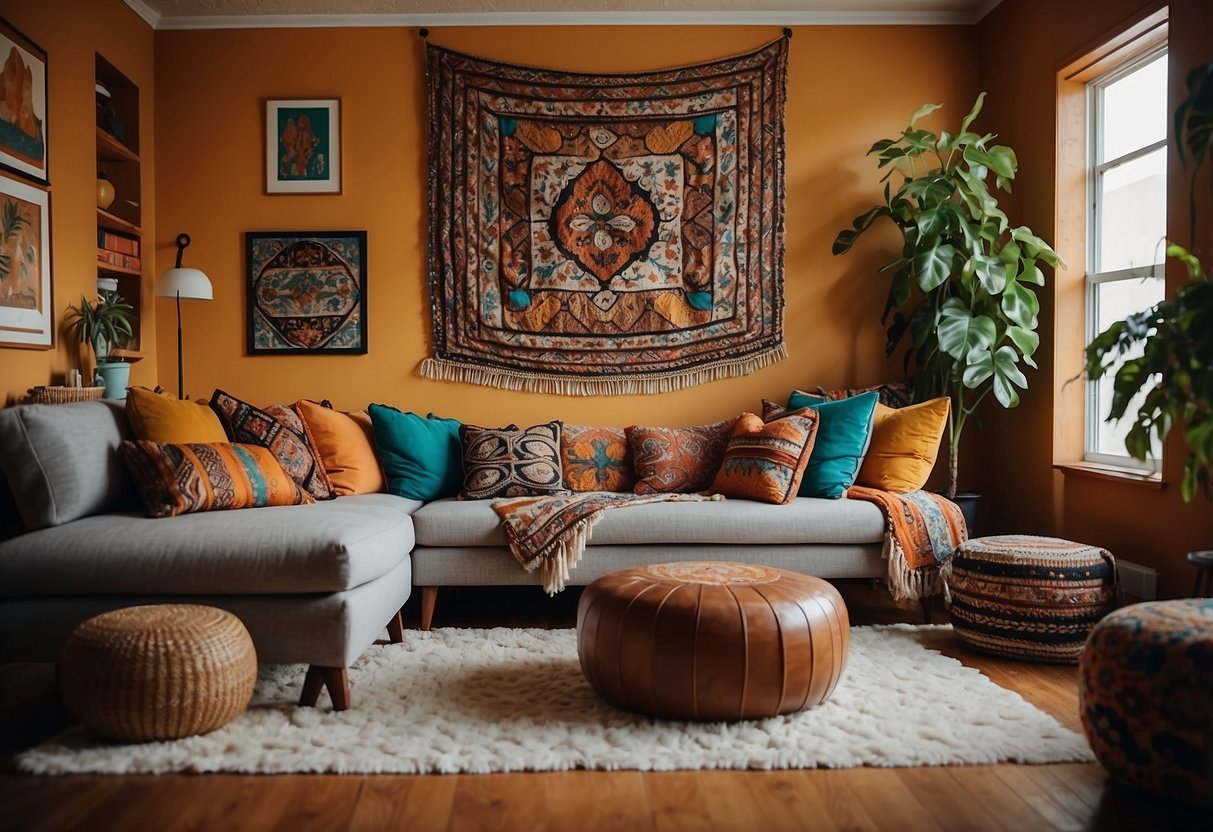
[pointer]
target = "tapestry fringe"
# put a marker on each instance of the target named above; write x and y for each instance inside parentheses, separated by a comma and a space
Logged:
(906, 584)
(555, 565)
(440, 369)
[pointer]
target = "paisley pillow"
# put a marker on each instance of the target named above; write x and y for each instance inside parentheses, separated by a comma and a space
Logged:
(596, 459)
(677, 460)
(508, 462)
(765, 461)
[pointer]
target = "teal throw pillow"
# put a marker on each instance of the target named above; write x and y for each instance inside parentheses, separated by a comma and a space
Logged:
(843, 434)
(421, 457)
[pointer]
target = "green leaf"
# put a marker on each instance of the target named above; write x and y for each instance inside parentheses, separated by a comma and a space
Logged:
(919, 141)
(961, 332)
(924, 110)
(991, 271)
(1021, 305)
(1007, 376)
(847, 237)
(881, 146)
(964, 125)
(1026, 340)
(1000, 159)
(1032, 274)
(934, 265)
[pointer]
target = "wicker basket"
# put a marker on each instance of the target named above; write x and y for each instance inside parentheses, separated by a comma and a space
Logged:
(158, 672)
(63, 395)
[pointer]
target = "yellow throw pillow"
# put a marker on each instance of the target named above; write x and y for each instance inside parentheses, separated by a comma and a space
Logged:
(343, 443)
(159, 417)
(905, 443)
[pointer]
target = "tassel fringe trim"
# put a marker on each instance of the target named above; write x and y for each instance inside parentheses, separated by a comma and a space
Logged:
(441, 369)
(906, 584)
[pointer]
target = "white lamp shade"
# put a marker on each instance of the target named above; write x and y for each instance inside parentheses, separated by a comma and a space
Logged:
(184, 283)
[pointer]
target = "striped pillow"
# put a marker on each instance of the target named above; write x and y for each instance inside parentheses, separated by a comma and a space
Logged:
(211, 476)
(765, 461)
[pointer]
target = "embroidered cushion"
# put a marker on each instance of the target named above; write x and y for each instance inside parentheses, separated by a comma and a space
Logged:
(161, 417)
(681, 460)
(596, 459)
(905, 443)
(279, 429)
(511, 462)
(344, 444)
(842, 439)
(891, 394)
(208, 476)
(765, 461)
(421, 457)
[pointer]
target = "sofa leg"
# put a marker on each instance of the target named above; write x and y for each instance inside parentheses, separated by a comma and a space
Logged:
(925, 601)
(429, 597)
(395, 628)
(336, 679)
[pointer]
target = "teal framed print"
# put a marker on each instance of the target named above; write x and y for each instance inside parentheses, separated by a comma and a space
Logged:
(303, 146)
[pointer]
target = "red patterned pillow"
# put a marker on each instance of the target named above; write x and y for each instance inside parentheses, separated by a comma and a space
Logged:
(682, 460)
(765, 461)
(596, 459)
(279, 429)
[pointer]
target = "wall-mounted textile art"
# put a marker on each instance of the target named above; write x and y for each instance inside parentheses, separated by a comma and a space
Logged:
(306, 292)
(605, 234)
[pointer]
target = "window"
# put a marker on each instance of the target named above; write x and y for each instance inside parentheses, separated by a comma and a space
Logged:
(1126, 224)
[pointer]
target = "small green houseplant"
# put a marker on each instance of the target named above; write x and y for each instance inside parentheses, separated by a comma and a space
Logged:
(1167, 350)
(963, 287)
(105, 325)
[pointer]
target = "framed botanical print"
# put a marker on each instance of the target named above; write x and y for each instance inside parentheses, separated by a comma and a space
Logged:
(303, 146)
(22, 105)
(27, 315)
(306, 292)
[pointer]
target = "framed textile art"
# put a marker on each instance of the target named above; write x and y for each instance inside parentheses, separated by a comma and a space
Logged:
(27, 315)
(306, 292)
(605, 234)
(23, 107)
(303, 146)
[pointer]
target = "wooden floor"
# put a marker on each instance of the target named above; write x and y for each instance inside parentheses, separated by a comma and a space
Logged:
(1000, 797)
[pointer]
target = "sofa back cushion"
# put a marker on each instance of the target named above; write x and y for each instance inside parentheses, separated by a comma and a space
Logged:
(61, 460)
(596, 459)
(677, 460)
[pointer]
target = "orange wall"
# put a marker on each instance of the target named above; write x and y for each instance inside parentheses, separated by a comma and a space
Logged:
(1023, 45)
(72, 32)
(847, 87)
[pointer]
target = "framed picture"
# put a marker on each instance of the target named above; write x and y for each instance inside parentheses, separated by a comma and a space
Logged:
(306, 292)
(27, 312)
(303, 146)
(22, 105)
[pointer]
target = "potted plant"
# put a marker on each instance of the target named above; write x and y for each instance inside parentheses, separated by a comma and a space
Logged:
(963, 286)
(1167, 350)
(105, 325)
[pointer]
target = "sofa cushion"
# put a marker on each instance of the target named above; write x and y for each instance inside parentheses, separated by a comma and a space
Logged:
(511, 461)
(162, 417)
(905, 444)
(345, 445)
(765, 461)
(323, 547)
(461, 523)
(680, 460)
(596, 459)
(842, 440)
(420, 456)
(61, 460)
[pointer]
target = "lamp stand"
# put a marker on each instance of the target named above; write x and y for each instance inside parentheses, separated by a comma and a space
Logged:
(180, 362)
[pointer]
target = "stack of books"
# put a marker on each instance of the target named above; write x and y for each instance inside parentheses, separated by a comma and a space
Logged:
(117, 250)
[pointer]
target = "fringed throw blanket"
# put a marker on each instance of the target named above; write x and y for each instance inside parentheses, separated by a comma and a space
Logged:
(605, 234)
(550, 533)
(923, 529)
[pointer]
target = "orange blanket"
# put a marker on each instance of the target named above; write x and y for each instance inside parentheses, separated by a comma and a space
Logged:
(922, 530)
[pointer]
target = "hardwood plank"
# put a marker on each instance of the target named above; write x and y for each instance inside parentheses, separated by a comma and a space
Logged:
(788, 799)
(487, 802)
(884, 799)
(730, 803)
(597, 801)
(404, 802)
(676, 801)
(950, 805)
(52, 803)
(319, 802)
(1007, 808)
(238, 802)
(1037, 788)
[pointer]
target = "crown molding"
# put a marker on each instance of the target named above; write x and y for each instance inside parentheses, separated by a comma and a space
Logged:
(149, 15)
(338, 21)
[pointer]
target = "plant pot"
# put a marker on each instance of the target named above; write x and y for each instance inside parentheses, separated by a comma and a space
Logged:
(967, 501)
(116, 375)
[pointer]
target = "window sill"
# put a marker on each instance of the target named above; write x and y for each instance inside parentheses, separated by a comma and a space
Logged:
(1112, 473)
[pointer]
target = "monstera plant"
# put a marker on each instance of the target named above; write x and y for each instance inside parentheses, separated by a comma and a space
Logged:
(963, 287)
(1167, 350)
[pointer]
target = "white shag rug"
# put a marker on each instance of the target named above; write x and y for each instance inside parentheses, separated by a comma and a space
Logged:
(498, 700)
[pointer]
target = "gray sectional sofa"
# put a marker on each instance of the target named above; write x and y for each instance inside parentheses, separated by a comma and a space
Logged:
(317, 584)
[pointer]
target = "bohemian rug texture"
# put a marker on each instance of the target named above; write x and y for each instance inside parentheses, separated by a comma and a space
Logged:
(478, 701)
(605, 234)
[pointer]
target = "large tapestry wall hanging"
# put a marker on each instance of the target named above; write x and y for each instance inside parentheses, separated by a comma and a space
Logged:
(605, 234)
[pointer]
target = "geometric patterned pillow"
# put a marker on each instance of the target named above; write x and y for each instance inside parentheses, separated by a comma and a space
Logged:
(210, 476)
(279, 429)
(677, 460)
(596, 459)
(765, 461)
(508, 462)
(890, 394)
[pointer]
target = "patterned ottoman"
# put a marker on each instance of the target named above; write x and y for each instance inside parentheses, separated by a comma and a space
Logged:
(1028, 597)
(1146, 697)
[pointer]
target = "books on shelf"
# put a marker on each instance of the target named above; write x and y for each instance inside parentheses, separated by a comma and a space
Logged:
(118, 250)
(124, 261)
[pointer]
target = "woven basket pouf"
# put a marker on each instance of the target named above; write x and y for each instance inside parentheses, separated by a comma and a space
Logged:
(1146, 697)
(158, 672)
(1029, 597)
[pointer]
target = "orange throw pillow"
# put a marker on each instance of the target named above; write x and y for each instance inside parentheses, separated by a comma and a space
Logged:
(162, 417)
(344, 444)
(765, 461)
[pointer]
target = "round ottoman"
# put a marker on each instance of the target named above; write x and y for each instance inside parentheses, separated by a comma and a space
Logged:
(1028, 597)
(1146, 697)
(712, 641)
(158, 672)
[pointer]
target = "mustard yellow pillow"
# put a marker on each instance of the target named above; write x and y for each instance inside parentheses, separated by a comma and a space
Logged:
(162, 417)
(905, 443)
(344, 444)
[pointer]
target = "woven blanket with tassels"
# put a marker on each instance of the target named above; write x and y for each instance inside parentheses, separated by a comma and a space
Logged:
(922, 530)
(550, 533)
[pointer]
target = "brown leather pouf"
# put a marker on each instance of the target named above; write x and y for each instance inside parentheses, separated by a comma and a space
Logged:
(712, 641)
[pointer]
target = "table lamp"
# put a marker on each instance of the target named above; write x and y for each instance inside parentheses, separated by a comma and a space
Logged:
(179, 282)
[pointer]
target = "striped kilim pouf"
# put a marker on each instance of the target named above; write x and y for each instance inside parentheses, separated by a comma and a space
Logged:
(1029, 597)
(1145, 694)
